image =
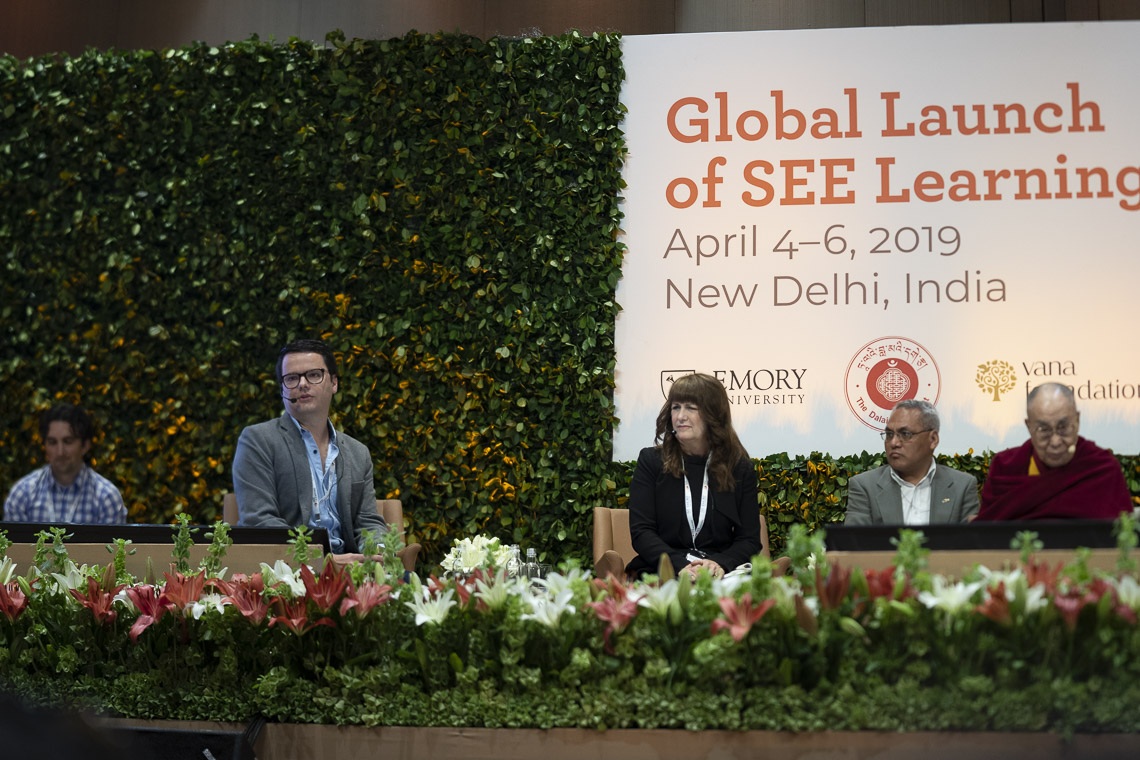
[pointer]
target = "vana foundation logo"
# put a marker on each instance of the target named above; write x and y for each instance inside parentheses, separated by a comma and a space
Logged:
(995, 378)
(885, 372)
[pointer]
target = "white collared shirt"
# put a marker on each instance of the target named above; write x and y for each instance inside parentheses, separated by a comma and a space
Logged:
(916, 497)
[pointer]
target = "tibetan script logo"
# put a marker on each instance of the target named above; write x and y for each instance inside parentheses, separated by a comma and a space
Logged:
(885, 372)
(996, 377)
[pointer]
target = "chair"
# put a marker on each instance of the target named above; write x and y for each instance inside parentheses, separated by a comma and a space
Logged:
(229, 508)
(613, 546)
(392, 510)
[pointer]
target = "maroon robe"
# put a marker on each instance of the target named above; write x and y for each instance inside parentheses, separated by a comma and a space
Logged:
(1091, 486)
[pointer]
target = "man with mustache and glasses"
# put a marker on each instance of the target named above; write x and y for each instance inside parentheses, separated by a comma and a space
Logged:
(911, 489)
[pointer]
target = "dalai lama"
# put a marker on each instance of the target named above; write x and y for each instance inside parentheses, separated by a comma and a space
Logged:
(1056, 474)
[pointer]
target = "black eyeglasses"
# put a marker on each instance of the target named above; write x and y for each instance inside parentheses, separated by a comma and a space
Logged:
(1064, 428)
(313, 376)
(904, 435)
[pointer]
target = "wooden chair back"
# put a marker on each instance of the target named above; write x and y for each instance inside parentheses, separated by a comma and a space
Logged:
(613, 545)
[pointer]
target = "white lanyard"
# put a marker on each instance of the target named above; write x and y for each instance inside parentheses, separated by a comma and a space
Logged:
(68, 495)
(330, 478)
(695, 527)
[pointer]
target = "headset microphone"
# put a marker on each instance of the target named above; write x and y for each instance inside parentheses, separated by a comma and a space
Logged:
(290, 399)
(1073, 449)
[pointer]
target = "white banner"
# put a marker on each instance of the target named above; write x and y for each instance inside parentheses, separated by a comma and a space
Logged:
(832, 221)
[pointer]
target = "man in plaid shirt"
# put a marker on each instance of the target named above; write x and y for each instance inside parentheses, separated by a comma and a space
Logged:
(65, 490)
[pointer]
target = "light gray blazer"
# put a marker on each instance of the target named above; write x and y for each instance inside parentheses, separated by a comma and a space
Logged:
(274, 488)
(874, 498)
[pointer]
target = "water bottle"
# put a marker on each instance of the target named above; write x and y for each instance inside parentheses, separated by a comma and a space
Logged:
(531, 567)
(514, 562)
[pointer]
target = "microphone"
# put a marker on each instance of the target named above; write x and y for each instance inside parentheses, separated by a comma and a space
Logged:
(290, 399)
(1073, 449)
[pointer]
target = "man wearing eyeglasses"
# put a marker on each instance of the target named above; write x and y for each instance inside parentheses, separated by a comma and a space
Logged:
(911, 489)
(1056, 473)
(300, 470)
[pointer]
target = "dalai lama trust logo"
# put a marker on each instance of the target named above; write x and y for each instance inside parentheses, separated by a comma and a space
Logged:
(886, 371)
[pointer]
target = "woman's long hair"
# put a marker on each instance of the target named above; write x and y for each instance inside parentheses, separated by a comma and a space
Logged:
(724, 446)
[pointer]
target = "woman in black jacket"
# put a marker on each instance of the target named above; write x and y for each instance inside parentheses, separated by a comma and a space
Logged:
(693, 495)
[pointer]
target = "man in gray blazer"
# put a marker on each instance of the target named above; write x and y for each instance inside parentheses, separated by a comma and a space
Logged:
(911, 489)
(298, 469)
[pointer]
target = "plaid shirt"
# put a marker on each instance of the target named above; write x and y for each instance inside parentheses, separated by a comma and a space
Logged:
(37, 497)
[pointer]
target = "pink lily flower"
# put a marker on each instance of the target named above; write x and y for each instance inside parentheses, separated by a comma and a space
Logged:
(150, 607)
(98, 600)
(182, 590)
(13, 601)
(739, 617)
(366, 597)
(325, 592)
(294, 615)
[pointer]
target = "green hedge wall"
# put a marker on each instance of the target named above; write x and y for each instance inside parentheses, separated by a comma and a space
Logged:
(442, 210)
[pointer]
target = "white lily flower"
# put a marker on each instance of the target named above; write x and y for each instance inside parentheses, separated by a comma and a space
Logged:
(728, 585)
(812, 603)
(121, 598)
(71, 578)
(431, 609)
(656, 598)
(784, 590)
(993, 577)
(1037, 599)
(7, 571)
(467, 554)
(555, 583)
(215, 602)
(280, 572)
(548, 610)
(950, 597)
(1128, 591)
(1017, 588)
(495, 592)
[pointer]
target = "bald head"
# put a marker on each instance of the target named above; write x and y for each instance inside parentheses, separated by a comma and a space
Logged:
(1053, 422)
(1054, 391)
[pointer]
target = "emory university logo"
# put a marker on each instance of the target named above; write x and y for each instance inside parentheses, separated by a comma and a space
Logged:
(885, 372)
(669, 375)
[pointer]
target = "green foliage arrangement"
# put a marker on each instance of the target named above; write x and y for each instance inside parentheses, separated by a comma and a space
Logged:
(1037, 648)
